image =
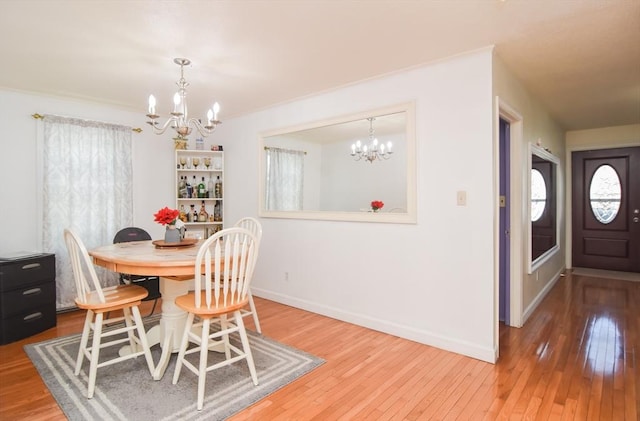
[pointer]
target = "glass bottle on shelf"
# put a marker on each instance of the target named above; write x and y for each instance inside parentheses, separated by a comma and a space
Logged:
(183, 214)
(190, 214)
(210, 188)
(217, 211)
(194, 184)
(218, 188)
(203, 216)
(189, 187)
(202, 189)
(194, 218)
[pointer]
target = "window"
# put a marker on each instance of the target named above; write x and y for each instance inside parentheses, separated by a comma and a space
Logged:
(605, 194)
(86, 186)
(538, 195)
(284, 179)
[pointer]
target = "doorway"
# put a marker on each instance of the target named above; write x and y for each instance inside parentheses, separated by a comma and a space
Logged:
(504, 224)
(606, 209)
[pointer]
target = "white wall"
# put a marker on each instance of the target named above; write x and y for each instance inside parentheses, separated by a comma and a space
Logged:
(431, 282)
(536, 125)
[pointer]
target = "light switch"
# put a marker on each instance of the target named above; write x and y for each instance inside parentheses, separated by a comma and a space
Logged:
(461, 198)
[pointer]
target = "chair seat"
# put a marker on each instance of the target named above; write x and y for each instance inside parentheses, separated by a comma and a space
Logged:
(187, 303)
(115, 297)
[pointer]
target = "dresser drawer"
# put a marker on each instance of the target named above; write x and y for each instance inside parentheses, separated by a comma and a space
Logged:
(27, 323)
(20, 273)
(23, 299)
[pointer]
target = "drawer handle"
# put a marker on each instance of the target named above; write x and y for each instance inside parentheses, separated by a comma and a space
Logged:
(33, 316)
(32, 291)
(31, 266)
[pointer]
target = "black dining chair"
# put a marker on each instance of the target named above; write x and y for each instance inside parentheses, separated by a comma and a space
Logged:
(150, 283)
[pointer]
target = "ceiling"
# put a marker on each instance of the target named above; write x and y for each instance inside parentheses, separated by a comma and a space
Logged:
(580, 58)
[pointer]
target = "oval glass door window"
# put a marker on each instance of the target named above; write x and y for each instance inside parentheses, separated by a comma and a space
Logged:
(605, 194)
(538, 195)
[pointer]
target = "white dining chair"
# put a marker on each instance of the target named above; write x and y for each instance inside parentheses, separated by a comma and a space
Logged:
(99, 301)
(255, 227)
(223, 271)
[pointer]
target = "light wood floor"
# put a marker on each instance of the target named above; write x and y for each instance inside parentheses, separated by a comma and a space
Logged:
(576, 358)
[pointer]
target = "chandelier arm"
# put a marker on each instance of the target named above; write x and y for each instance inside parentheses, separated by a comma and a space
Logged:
(161, 129)
(204, 130)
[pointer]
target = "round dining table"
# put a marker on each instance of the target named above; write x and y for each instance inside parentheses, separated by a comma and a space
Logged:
(175, 265)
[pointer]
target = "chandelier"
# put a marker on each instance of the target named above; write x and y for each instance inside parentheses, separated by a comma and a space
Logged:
(373, 150)
(179, 119)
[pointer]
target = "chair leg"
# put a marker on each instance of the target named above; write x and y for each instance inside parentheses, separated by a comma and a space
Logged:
(202, 368)
(224, 325)
(184, 343)
(245, 347)
(142, 335)
(95, 354)
(128, 323)
(83, 341)
(254, 313)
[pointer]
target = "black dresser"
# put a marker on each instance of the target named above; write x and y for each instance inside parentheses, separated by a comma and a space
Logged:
(27, 295)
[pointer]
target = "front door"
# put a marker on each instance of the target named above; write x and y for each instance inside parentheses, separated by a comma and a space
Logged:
(606, 209)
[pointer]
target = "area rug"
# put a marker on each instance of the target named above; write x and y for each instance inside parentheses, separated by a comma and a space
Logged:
(126, 391)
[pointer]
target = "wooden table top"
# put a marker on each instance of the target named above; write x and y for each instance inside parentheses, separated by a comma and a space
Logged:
(143, 258)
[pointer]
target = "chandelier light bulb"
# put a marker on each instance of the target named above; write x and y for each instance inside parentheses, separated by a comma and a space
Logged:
(152, 105)
(216, 110)
(209, 116)
(176, 102)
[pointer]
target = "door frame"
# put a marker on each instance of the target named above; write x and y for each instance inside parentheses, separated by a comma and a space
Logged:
(569, 149)
(516, 196)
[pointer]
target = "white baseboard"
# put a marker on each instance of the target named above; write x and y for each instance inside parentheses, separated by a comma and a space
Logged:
(402, 331)
(543, 293)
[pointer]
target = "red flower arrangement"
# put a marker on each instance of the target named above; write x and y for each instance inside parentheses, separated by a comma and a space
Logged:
(377, 204)
(166, 216)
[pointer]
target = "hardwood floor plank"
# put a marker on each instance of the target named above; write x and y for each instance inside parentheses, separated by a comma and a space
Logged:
(575, 358)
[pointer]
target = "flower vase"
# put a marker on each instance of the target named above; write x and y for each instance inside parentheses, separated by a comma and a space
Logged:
(172, 235)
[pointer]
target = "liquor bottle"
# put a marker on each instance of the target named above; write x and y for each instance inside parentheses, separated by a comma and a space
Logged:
(183, 214)
(194, 218)
(210, 187)
(202, 189)
(194, 184)
(190, 214)
(218, 188)
(203, 215)
(217, 211)
(181, 186)
(189, 187)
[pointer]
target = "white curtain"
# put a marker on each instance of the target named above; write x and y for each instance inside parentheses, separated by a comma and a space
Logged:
(285, 177)
(87, 186)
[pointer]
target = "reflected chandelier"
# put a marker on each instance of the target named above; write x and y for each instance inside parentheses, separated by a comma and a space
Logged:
(373, 150)
(179, 119)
